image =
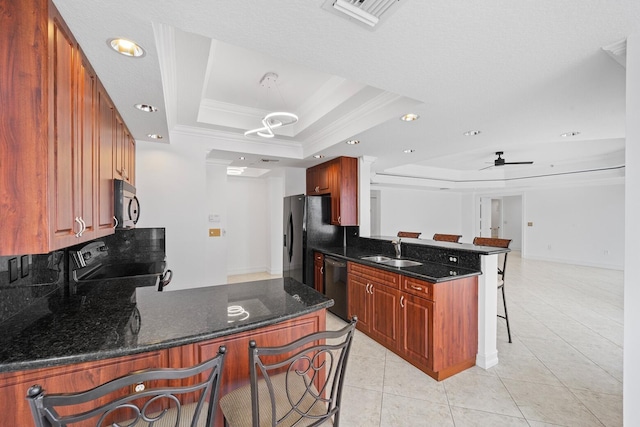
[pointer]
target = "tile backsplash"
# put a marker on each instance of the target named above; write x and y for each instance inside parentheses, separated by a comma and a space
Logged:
(26, 278)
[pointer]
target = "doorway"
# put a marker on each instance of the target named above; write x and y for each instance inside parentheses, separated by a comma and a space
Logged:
(501, 216)
(496, 218)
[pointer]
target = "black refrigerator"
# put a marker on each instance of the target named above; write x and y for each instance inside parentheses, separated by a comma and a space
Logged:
(307, 225)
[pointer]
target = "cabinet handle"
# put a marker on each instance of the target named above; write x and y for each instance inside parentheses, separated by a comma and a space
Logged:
(417, 288)
(322, 270)
(339, 219)
(84, 226)
(317, 188)
(78, 221)
(116, 224)
(402, 301)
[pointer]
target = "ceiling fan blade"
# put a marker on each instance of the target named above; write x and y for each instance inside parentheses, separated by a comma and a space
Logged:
(487, 167)
(518, 163)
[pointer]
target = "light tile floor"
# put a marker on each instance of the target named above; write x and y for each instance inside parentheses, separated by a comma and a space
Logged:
(564, 367)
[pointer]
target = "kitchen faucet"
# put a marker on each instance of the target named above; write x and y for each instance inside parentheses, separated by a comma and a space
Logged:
(396, 246)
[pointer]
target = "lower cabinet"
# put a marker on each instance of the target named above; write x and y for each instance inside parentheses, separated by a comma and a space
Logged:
(434, 326)
(416, 330)
(318, 272)
(70, 378)
(86, 375)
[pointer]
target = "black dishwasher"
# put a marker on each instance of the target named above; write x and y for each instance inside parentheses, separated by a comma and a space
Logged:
(335, 285)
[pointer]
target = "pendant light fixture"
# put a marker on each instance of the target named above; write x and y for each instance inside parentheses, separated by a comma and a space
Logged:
(276, 119)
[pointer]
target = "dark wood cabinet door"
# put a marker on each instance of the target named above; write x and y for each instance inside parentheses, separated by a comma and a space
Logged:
(106, 136)
(318, 272)
(86, 149)
(385, 303)
(358, 302)
(130, 159)
(63, 212)
(319, 179)
(416, 330)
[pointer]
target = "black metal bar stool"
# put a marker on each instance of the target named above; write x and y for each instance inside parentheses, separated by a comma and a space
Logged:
(153, 397)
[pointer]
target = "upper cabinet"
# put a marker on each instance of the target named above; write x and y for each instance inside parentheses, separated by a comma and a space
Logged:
(339, 178)
(54, 191)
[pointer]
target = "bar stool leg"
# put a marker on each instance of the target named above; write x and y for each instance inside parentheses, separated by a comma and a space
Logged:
(506, 314)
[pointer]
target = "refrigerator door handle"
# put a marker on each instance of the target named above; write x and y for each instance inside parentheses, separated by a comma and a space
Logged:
(290, 236)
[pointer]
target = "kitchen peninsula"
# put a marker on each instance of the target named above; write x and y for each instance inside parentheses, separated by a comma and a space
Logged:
(439, 314)
(113, 327)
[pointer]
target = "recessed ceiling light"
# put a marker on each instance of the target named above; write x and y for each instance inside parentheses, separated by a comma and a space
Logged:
(126, 47)
(154, 136)
(410, 117)
(353, 142)
(567, 134)
(146, 108)
(471, 133)
(318, 156)
(409, 150)
(241, 157)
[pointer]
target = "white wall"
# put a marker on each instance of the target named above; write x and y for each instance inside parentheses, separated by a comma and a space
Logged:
(171, 182)
(576, 225)
(425, 211)
(631, 383)
(467, 216)
(248, 225)
(512, 220)
(295, 180)
(215, 201)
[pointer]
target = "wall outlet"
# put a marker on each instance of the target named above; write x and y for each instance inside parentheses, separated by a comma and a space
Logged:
(214, 232)
(13, 270)
(24, 265)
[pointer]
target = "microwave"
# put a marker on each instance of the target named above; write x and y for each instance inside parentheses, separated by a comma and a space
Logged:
(126, 205)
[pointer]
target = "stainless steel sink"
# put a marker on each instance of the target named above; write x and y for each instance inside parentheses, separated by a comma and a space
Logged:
(376, 258)
(394, 262)
(400, 262)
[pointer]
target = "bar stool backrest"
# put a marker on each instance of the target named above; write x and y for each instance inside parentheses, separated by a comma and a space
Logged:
(156, 397)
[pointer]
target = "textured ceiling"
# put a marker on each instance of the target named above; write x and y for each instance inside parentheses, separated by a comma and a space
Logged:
(522, 73)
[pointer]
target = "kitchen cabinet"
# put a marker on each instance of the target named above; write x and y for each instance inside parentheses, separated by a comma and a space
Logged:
(416, 330)
(318, 272)
(432, 325)
(373, 296)
(124, 153)
(339, 179)
(106, 124)
(69, 378)
(318, 180)
(85, 375)
(50, 147)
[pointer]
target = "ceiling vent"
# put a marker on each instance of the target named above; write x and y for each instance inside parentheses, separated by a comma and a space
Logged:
(366, 13)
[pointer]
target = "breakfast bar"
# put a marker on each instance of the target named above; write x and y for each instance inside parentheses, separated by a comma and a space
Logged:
(73, 342)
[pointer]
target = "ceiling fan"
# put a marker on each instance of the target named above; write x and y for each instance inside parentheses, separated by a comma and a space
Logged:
(501, 161)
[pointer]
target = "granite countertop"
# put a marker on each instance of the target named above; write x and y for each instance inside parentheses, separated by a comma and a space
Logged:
(429, 271)
(115, 318)
(462, 247)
